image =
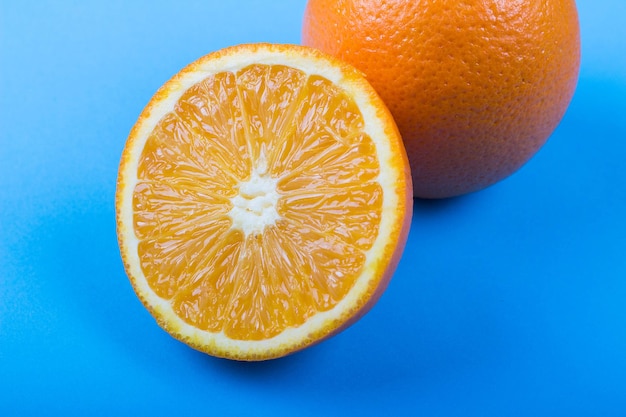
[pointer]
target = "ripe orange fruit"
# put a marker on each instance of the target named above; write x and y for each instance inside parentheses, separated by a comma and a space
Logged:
(263, 201)
(476, 87)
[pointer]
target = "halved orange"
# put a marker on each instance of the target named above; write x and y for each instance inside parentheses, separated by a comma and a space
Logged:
(263, 201)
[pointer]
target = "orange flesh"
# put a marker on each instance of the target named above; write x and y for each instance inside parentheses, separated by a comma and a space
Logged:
(309, 134)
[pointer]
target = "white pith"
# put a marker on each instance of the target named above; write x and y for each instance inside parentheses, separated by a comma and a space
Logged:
(254, 207)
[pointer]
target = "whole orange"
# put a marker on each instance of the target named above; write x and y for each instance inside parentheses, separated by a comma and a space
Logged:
(475, 86)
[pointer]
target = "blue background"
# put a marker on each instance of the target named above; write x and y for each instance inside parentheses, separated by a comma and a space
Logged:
(510, 301)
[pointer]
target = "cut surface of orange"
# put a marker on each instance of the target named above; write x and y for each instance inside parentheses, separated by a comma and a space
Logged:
(263, 201)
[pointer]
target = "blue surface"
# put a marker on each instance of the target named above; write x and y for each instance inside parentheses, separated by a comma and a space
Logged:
(510, 301)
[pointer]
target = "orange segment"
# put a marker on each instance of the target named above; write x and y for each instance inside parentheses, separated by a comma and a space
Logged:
(259, 209)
